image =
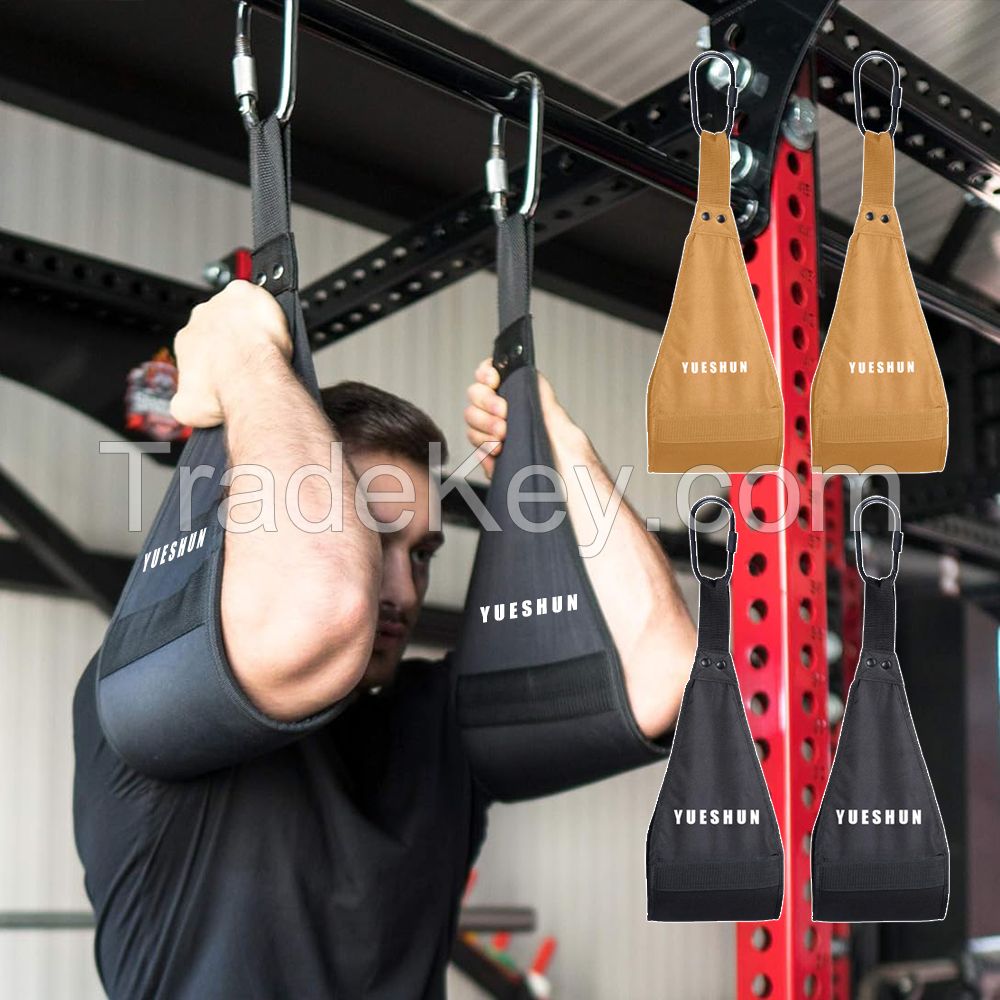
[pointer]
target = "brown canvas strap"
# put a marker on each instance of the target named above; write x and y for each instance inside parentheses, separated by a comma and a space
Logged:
(713, 168)
(879, 179)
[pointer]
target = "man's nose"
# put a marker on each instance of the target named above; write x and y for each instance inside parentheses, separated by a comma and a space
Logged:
(397, 580)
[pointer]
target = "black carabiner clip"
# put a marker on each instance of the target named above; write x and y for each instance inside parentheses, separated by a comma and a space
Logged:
(897, 538)
(730, 540)
(732, 95)
(895, 94)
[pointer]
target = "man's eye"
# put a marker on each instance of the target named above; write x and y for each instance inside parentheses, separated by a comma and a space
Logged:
(423, 556)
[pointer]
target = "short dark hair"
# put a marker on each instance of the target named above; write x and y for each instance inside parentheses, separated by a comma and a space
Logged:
(369, 418)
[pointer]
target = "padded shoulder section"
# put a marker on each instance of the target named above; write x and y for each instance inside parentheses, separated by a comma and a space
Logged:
(532, 731)
(177, 712)
(541, 696)
(713, 851)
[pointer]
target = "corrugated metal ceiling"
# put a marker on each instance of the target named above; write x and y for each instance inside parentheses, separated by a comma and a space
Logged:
(622, 49)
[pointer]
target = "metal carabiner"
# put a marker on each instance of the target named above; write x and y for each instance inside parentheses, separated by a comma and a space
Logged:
(496, 165)
(895, 94)
(732, 94)
(245, 67)
(730, 540)
(897, 537)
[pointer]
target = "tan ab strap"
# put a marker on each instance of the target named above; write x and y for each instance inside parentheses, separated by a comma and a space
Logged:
(878, 397)
(713, 396)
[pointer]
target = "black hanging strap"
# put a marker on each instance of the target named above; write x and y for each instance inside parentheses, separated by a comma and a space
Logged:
(515, 346)
(880, 592)
(275, 263)
(713, 603)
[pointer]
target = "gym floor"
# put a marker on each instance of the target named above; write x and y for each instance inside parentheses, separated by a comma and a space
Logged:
(66, 183)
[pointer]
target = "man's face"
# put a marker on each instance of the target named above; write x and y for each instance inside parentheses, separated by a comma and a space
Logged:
(406, 557)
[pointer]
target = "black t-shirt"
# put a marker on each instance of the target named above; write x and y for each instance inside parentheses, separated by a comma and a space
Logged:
(332, 868)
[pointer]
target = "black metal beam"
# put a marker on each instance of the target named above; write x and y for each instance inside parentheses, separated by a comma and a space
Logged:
(446, 247)
(420, 59)
(942, 125)
(953, 302)
(55, 548)
(956, 238)
(459, 240)
(21, 570)
(75, 324)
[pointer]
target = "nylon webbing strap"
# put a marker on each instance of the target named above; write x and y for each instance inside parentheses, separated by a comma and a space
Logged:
(709, 876)
(569, 689)
(270, 191)
(714, 615)
(275, 263)
(514, 347)
(879, 178)
(866, 876)
(713, 168)
(880, 614)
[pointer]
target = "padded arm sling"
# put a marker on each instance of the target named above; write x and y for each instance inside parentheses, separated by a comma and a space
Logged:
(713, 397)
(713, 851)
(878, 398)
(541, 695)
(879, 848)
(165, 690)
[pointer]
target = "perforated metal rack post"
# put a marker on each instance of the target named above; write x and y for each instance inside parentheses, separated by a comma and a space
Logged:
(779, 597)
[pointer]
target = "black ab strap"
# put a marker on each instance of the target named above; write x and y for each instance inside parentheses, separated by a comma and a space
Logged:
(514, 347)
(713, 604)
(880, 592)
(275, 263)
(895, 92)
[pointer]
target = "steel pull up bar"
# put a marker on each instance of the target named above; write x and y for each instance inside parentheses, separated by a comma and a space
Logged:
(361, 32)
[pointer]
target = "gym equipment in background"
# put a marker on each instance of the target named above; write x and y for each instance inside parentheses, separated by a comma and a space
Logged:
(541, 695)
(713, 851)
(713, 396)
(166, 630)
(878, 398)
(879, 847)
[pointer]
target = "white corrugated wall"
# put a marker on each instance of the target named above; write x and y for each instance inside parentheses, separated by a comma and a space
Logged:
(577, 857)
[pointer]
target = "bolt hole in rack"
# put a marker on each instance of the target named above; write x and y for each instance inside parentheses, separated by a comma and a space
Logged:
(780, 587)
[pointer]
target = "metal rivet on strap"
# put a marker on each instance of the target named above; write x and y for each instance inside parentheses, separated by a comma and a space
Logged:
(705, 661)
(721, 664)
(277, 271)
(706, 216)
(503, 361)
(720, 218)
(518, 350)
(262, 278)
(885, 664)
(870, 662)
(869, 216)
(885, 218)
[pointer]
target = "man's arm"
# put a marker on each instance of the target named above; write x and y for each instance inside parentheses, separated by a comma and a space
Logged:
(299, 608)
(631, 576)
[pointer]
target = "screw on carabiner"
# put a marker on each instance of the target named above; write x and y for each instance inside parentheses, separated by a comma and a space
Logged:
(732, 94)
(896, 544)
(895, 92)
(731, 539)
(496, 165)
(245, 67)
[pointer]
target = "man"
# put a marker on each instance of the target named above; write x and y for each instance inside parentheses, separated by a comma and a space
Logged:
(332, 868)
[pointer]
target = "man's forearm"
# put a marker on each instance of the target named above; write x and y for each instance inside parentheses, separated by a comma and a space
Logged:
(636, 588)
(299, 606)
